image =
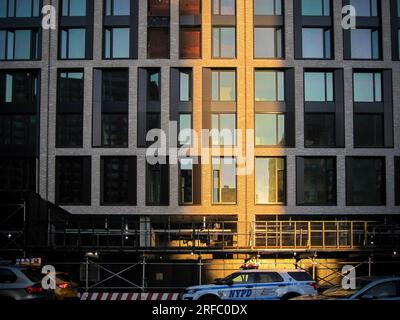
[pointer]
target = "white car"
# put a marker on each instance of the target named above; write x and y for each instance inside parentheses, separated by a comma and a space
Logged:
(255, 285)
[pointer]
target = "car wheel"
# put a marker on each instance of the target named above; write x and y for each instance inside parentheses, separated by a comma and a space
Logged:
(289, 296)
(209, 297)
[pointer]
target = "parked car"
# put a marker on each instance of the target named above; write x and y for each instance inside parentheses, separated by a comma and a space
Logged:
(66, 288)
(22, 283)
(255, 285)
(367, 288)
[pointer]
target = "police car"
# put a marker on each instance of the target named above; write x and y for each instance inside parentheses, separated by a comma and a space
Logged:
(255, 285)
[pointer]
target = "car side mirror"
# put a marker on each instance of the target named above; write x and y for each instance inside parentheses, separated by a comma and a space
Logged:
(367, 297)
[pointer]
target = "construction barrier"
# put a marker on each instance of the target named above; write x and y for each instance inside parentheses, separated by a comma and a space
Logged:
(120, 296)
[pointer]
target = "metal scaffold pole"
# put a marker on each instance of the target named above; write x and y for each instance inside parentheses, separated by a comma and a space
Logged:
(144, 274)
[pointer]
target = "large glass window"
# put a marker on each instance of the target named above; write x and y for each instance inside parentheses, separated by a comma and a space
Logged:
(319, 186)
(19, 8)
(368, 130)
(19, 45)
(73, 43)
(365, 181)
(365, 8)
(224, 180)
(224, 7)
(17, 174)
(190, 43)
(267, 42)
(73, 180)
(118, 183)
(269, 85)
(365, 44)
(186, 181)
(157, 184)
(18, 130)
(185, 85)
(153, 85)
(70, 87)
(189, 7)
(115, 85)
(318, 86)
(270, 129)
(114, 130)
(315, 7)
(224, 42)
(223, 85)
(320, 130)
(158, 43)
(117, 43)
(270, 185)
(69, 130)
(19, 88)
(367, 87)
(118, 7)
(223, 129)
(185, 127)
(74, 8)
(317, 43)
(268, 7)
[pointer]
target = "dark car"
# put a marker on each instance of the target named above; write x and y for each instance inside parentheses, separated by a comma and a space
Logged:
(22, 283)
(367, 288)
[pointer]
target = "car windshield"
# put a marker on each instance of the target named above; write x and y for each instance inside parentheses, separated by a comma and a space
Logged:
(236, 278)
(33, 275)
(340, 292)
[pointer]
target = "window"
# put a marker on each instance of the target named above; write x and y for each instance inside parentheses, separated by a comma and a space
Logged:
(115, 85)
(365, 181)
(74, 8)
(19, 8)
(367, 87)
(185, 85)
(153, 85)
(319, 181)
(19, 88)
(69, 130)
(320, 129)
(19, 44)
(315, 7)
(224, 180)
(368, 130)
(270, 129)
(114, 130)
(157, 185)
(158, 43)
(365, 8)
(17, 174)
(269, 85)
(118, 180)
(185, 129)
(190, 7)
(270, 185)
(267, 42)
(268, 7)
(224, 42)
(316, 43)
(158, 8)
(190, 43)
(117, 43)
(70, 87)
(7, 276)
(73, 180)
(118, 7)
(365, 44)
(73, 43)
(383, 291)
(223, 85)
(69, 133)
(186, 181)
(268, 277)
(18, 130)
(318, 86)
(223, 129)
(224, 7)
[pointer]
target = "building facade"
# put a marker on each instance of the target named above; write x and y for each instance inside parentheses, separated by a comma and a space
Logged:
(320, 103)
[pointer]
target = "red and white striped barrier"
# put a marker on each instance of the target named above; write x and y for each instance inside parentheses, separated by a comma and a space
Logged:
(119, 296)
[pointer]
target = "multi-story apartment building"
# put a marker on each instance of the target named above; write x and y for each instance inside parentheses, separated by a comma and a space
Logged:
(77, 102)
